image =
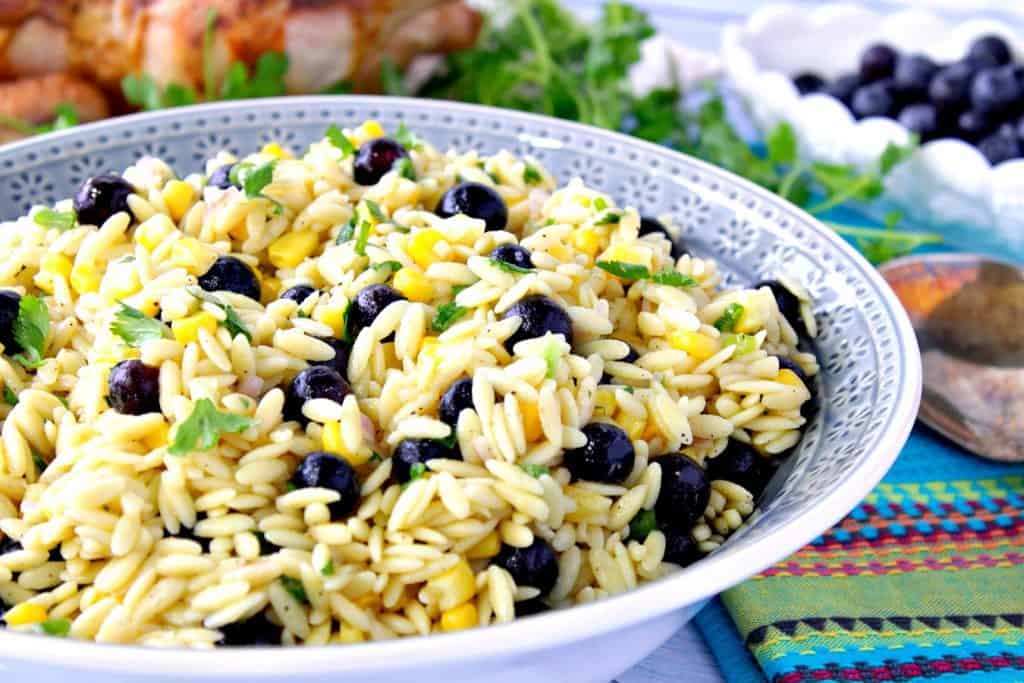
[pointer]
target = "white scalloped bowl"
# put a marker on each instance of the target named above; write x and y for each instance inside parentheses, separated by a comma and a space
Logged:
(947, 186)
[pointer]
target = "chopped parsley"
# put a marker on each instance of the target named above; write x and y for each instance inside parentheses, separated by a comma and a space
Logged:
(340, 140)
(295, 589)
(417, 470)
(135, 327)
(345, 335)
(389, 266)
(405, 168)
(744, 343)
(727, 321)
(231, 320)
(531, 175)
(535, 471)
(609, 218)
(37, 458)
(375, 211)
(55, 627)
(509, 267)
(448, 441)
(406, 138)
(55, 220)
(10, 398)
(600, 204)
(447, 314)
(633, 271)
(643, 524)
(257, 179)
(551, 355)
(31, 328)
(327, 569)
(202, 429)
(345, 234)
(363, 238)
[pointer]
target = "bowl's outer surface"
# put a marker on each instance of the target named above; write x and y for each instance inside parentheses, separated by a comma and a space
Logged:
(870, 383)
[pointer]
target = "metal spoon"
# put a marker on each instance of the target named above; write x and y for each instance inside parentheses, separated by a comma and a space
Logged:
(968, 313)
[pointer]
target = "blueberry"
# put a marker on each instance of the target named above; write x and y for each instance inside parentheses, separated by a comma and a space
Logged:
(456, 398)
(974, 125)
(630, 357)
(1000, 147)
(134, 388)
(221, 177)
(9, 306)
(100, 197)
(607, 456)
(808, 83)
(476, 201)
(367, 305)
(324, 470)
(921, 119)
(410, 452)
(257, 630)
(298, 293)
(684, 493)
(680, 548)
(189, 533)
(789, 306)
(340, 360)
(375, 158)
(950, 88)
(843, 88)
(996, 91)
(877, 62)
(810, 407)
(229, 274)
(1019, 128)
(874, 99)
(912, 76)
(513, 254)
(989, 50)
(9, 545)
(535, 565)
(527, 608)
(652, 226)
(741, 464)
(539, 315)
(318, 381)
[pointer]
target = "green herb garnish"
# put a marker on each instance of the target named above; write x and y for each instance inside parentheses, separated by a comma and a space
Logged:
(327, 569)
(37, 458)
(730, 316)
(55, 627)
(363, 238)
(633, 271)
(641, 525)
(266, 80)
(417, 470)
(406, 138)
(295, 589)
(340, 140)
(135, 327)
(10, 398)
(531, 175)
(31, 328)
(448, 441)
(375, 211)
(202, 429)
(389, 266)
(144, 92)
(609, 218)
(345, 234)
(744, 343)
(405, 168)
(600, 204)
(231, 321)
(55, 220)
(535, 471)
(552, 353)
(447, 314)
(509, 267)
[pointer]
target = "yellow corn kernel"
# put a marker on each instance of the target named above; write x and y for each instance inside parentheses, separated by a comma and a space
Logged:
(458, 618)
(150, 307)
(350, 634)
(559, 251)
(275, 150)
(631, 253)
(633, 426)
(413, 284)
(291, 249)
(190, 254)
(453, 587)
(52, 267)
(697, 345)
(121, 281)
(333, 443)
(332, 316)
(531, 421)
(371, 129)
(421, 247)
(157, 438)
(269, 288)
(604, 402)
(787, 376)
(85, 278)
(486, 548)
(24, 614)
(153, 231)
(178, 196)
(587, 240)
(187, 329)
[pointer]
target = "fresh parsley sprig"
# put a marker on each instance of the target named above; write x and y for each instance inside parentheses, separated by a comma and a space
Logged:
(510, 267)
(55, 220)
(447, 315)
(135, 327)
(633, 271)
(340, 140)
(730, 316)
(31, 328)
(203, 428)
(231, 321)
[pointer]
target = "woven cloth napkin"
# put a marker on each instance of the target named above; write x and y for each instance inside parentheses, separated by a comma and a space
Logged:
(924, 580)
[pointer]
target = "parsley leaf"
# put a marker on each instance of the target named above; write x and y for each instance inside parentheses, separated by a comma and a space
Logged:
(143, 91)
(10, 398)
(730, 316)
(231, 321)
(363, 238)
(345, 234)
(55, 627)
(531, 175)
(58, 220)
(390, 266)
(327, 569)
(340, 140)
(551, 356)
(135, 327)
(417, 470)
(600, 204)
(633, 271)
(447, 314)
(202, 430)
(405, 168)
(375, 211)
(641, 525)
(672, 278)
(744, 343)
(406, 138)
(31, 328)
(295, 589)
(509, 267)
(609, 218)
(448, 441)
(535, 471)
(67, 117)
(257, 179)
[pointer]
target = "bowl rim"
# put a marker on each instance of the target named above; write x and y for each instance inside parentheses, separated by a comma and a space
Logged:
(692, 585)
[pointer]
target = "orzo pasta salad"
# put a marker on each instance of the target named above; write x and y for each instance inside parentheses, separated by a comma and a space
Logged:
(373, 391)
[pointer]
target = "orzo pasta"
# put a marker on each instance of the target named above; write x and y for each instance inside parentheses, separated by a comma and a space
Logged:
(375, 391)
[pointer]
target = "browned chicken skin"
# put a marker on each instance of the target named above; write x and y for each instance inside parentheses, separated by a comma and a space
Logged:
(77, 51)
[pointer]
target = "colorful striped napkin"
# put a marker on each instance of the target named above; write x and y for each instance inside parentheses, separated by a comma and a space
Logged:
(923, 580)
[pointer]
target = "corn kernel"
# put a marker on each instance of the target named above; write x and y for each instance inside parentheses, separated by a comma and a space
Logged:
(331, 437)
(531, 421)
(788, 377)
(633, 426)
(458, 618)
(604, 402)
(559, 251)
(454, 586)
(52, 267)
(24, 614)
(157, 438)
(85, 278)
(587, 240)
(190, 254)
(486, 548)
(413, 284)
(275, 150)
(290, 249)
(631, 253)
(150, 307)
(698, 346)
(121, 281)
(153, 231)
(269, 288)
(372, 129)
(187, 329)
(332, 316)
(178, 196)
(421, 247)
(350, 634)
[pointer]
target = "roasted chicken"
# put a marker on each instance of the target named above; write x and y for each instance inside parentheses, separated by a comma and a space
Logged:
(77, 51)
